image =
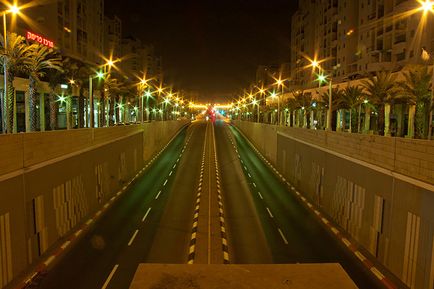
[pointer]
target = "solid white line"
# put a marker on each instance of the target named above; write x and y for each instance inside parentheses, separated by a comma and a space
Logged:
(156, 197)
(133, 237)
(165, 182)
(147, 212)
(283, 236)
(259, 193)
(269, 213)
(109, 278)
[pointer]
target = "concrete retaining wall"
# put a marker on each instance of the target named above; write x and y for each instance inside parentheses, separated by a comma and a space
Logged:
(51, 181)
(379, 189)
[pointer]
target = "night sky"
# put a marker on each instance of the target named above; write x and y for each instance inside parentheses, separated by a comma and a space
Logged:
(210, 46)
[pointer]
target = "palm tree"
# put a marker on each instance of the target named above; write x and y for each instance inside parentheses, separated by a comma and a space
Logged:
(415, 89)
(79, 73)
(381, 90)
(54, 79)
(40, 61)
(323, 102)
(303, 101)
(352, 97)
(112, 89)
(13, 57)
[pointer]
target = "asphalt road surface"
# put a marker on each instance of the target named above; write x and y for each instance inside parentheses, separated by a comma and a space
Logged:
(207, 192)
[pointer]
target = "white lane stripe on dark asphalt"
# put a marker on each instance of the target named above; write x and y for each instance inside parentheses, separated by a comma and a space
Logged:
(156, 197)
(269, 213)
(109, 278)
(283, 236)
(147, 212)
(165, 182)
(259, 193)
(133, 237)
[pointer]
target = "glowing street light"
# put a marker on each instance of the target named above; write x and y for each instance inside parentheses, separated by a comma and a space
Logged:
(14, 9)
(427, 6)
(279, 83)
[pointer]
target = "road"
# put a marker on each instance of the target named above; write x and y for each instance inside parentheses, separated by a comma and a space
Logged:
(294, 235)
(207, 199)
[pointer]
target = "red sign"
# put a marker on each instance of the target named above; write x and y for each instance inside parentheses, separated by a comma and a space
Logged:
(40, 39)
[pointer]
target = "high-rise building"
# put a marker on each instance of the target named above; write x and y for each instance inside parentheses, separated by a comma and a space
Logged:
(139, 60)
(112, 37)
(358, 37)
(76, 27)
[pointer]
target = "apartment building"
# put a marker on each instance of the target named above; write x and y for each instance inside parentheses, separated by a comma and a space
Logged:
(358, 37)
(112, 37)
(139, 59)
(76, 27)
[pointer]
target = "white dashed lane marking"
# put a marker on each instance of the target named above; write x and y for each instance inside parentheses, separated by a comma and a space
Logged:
(109, 278)
(146, 215)
(156, 197)
(269, 212)
(133, 237)
(283, 236)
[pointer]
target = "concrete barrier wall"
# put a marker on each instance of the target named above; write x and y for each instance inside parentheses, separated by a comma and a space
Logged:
(378, 189)
(50, 182)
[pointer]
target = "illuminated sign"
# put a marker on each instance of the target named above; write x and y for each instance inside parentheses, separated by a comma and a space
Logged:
(39, 39)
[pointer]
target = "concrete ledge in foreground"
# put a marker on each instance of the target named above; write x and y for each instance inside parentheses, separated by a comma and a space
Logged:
(287, 276)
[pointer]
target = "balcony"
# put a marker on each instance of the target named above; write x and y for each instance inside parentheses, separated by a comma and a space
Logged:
(378, 66)
(400, 39)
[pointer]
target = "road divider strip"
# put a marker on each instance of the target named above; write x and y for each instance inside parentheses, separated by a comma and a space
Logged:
(193, 239)
(223, 235)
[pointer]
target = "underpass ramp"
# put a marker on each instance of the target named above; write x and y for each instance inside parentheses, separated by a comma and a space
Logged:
(282, 276)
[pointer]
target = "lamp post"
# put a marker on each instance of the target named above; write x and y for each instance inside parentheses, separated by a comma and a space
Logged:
(323, 78)
(7, 125)
(279, 83)
(426, 56)
(256, 102)
(274, 95)
(428, 6)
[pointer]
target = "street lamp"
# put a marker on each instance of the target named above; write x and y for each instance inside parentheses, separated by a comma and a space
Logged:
(9, 124)
(279, 83)
(426, 56)
(256, 102)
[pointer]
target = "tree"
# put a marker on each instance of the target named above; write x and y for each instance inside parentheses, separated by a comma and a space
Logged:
(54, 79)
(415, 89)
(40, 61)
(13, 57)
(323, 102)
(112, 89)
(381, 90)
(302, 101)
(352, 97)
